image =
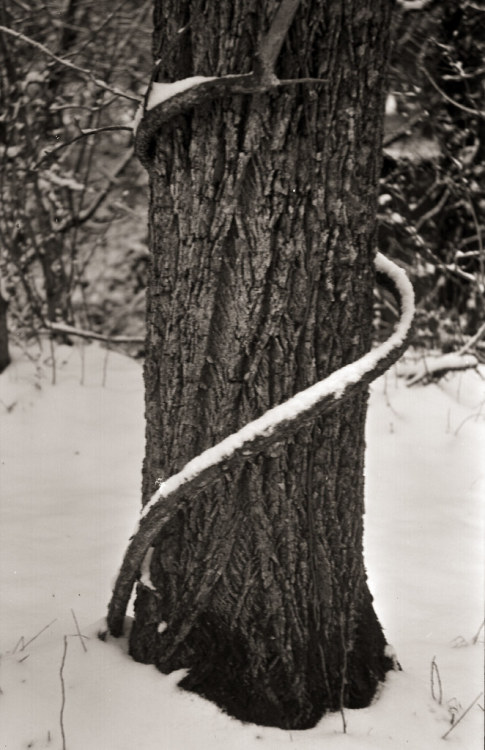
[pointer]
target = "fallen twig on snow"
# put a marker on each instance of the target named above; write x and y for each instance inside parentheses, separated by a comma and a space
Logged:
(25, 644)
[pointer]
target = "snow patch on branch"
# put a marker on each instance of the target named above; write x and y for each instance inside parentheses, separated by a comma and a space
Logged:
(145, 578)
(161, 91)
(430, 367)
(334, 385)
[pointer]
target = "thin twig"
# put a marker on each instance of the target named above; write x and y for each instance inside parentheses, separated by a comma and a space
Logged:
(433, 211)
(83, 134)
(37, 635)
(88, 213)
(19, 642)
(63, 691)
(477, 634)
(53, 361)
(83, 71)
(445, 735)
(471, 342)
(72, 331)
(476, 112)
(435, 672)
(81, 637)
(470, 417)
(105, 367)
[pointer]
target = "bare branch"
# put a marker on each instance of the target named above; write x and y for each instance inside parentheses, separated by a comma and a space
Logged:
(88, 213)
(82, 333)
(273, 41)
(474, 340)
(476, 112)
(83, 71)
(433, 211)
(83, 134)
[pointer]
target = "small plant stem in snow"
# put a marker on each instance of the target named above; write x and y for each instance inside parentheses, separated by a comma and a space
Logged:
(435, 673)
(467, 419)
(53, 361)
(477, 634)
(63, 691)
(105, 366)
(83, 363)
(19, 642)
(445, 735)
(81, 637)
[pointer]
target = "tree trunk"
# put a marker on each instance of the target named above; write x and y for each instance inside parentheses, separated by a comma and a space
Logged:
(262, 223)
(4, 353)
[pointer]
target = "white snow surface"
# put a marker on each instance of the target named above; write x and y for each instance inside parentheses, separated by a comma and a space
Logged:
(70, 490)
(335, 383)
(162, 91)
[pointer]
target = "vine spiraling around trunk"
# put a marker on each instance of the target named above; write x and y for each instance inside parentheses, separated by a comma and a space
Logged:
(287, 418)
(275, 425)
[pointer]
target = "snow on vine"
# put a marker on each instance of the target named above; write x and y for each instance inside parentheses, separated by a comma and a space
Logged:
(257, 435)
(335, 384)
(160, 92)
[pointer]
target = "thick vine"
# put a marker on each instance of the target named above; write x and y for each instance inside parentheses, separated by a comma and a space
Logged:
(257, 436)
(284, 420)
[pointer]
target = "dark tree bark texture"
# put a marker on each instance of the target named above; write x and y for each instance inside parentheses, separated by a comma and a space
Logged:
(4, 352)
(262, 223)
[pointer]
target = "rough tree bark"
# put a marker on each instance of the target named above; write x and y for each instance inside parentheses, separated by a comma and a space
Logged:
(4, 351)
(262, 224)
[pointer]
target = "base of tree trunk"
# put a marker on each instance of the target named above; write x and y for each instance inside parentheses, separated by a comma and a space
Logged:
(222, 669)
(4, 353)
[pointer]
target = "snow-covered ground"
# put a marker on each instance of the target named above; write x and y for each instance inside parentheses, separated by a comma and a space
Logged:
(71, 454)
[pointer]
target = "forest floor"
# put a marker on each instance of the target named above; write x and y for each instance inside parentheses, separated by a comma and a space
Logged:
(71, 456)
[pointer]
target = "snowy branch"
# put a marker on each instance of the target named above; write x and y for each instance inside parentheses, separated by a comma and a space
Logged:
(435, 367)
(275, 425)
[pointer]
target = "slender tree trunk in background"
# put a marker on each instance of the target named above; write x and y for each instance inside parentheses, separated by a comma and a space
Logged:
(4, 353)
(262, 222)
